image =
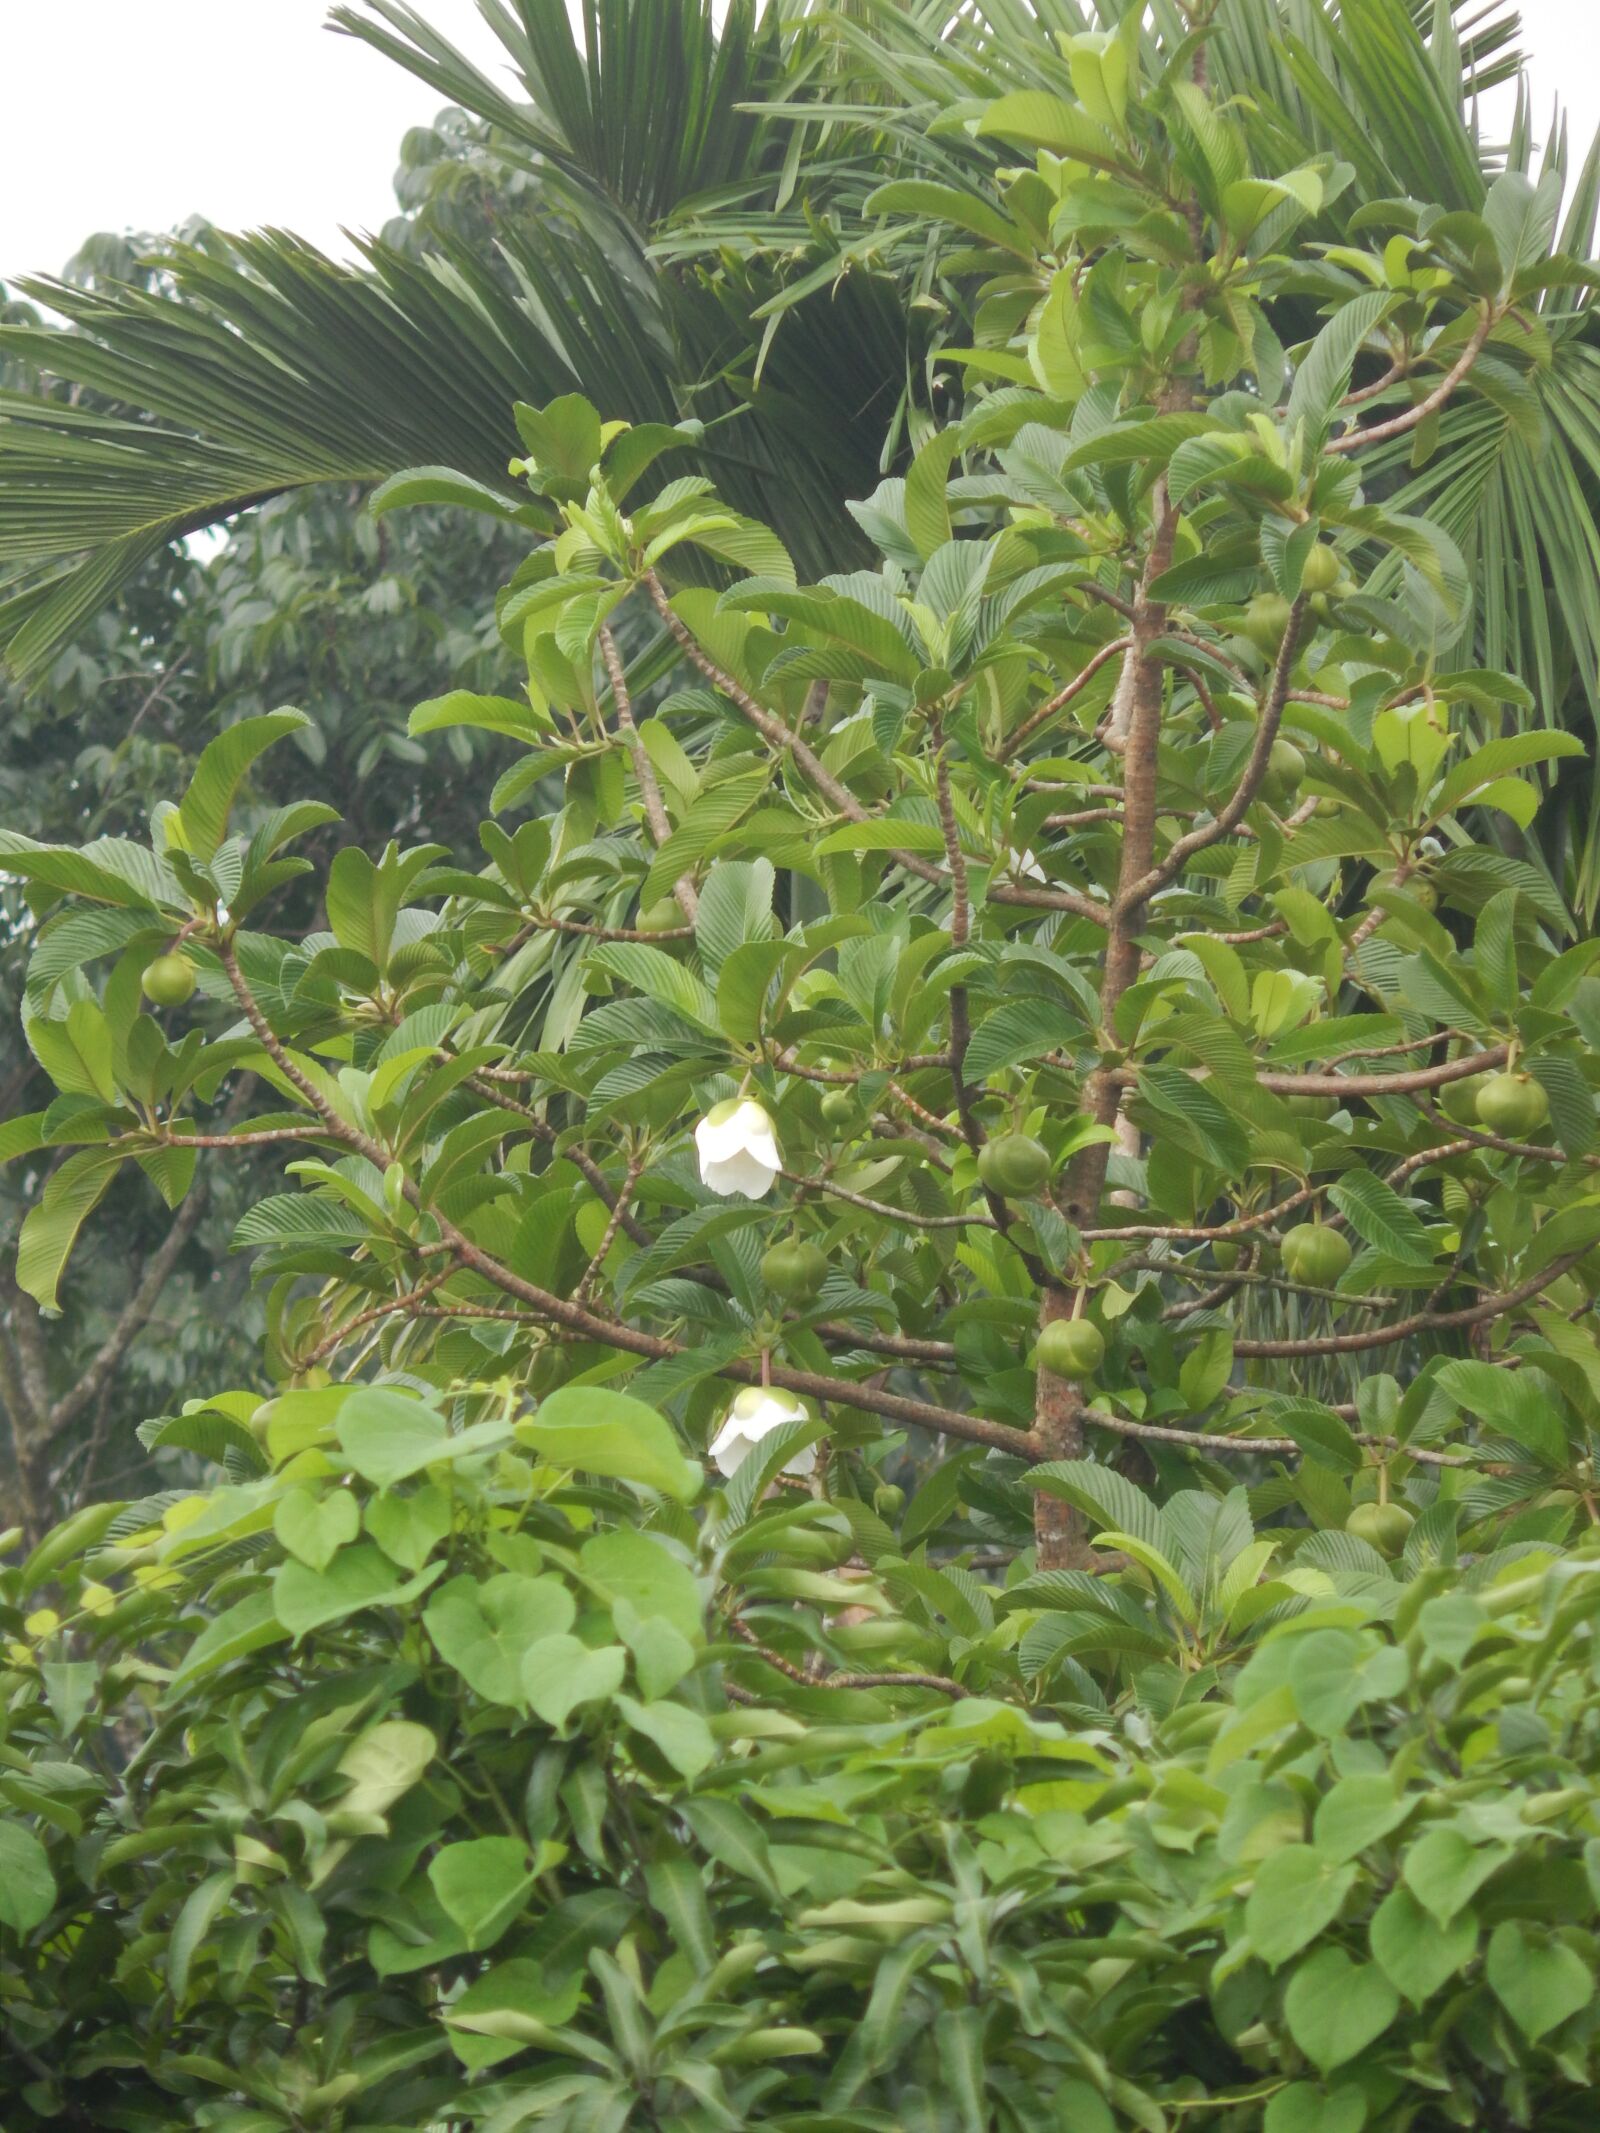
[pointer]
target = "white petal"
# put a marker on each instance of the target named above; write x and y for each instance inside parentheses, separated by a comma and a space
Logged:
(775, 1407)
(804, 1462)
(762, 1143)
(715, 1143)
(730, 1447)
(741, 1173)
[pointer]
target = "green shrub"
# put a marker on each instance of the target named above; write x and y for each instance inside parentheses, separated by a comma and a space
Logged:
(462, 1801)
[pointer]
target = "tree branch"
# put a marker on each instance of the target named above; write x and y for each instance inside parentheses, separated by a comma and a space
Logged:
(1355, 439)
(1196, 840)
(644, 770)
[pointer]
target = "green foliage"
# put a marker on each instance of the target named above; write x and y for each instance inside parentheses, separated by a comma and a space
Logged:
(461, 1804)
(1204, 1725)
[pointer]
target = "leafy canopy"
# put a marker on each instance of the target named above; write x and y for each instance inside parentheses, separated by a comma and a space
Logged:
(1136, 1651)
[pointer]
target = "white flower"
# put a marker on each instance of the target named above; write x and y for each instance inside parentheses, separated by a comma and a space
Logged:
(756, 1411)
(738, 1149)
(1025, 864)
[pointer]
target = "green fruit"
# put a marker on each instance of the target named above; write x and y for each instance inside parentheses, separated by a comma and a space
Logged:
(839, 1107)
(1265, 620)
(169, 980)
(1315, 1255)
(1459, 1099)
(1225, 1251)
(1015, 1165)
(663, 916)
(1312, 1106)
(888, 1500)
(1512, 1105)
(1286, 767)
(1416, 886)
(1322, 571)
(794, 1271)
(1328, 805)
(1070, 1348)
(1383, 1526)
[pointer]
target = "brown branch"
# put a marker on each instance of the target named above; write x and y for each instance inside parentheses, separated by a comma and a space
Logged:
(955, 858)
(577, 1318)
(1160, 1433)
(542, 1129)
(779, 1664)
(644, 770)
(608, 1236)
(881, 1207)
(1358, 396)
(1407, 1084)
(1353, 440)
(548, 921)
(1139, 892)
(1059, 702)
(782, 738)
(387, 1309)
(771, 728)
(1330, 1084)
(1487, 1307)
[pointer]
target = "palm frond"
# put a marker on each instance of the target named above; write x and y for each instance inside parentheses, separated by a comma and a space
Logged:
(704, 248)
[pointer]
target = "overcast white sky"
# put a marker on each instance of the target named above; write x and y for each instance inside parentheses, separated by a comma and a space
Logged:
(138, 113)
(135, 114)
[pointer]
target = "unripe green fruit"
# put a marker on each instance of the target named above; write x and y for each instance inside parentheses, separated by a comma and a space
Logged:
(1416, 886)
(1225, 1252)
(1015, 1165)
(795, 1271)
(1512, 1105)
(1383, 1526)
(1322, 571)
(663, 916)
(1286, 767)
(1328, 805)
(1070, 1348)
(1459, 1099)
(1312, 1106)
(888, 1500)
(1315, 1255)
(1265, 620)
(839, 1107)
(169, 980)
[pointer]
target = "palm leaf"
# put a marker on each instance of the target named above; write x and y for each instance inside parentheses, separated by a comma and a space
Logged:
(703, 247)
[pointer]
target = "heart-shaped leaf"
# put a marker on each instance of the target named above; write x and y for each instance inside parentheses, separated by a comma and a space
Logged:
(1336, 2007)
(561, 1672)
(1296, 1894)
(484, 1630)
(314, 1528)
(1304, 2108)
(1444, 1871)
(482, 1884)
(1355, 1813)
(1417, 1954)
(1537, 1979)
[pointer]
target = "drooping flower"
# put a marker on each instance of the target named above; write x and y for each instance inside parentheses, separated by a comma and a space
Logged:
(738, 1149)
(755, 1413)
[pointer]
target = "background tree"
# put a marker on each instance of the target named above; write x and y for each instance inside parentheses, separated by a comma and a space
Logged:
(308, 601)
